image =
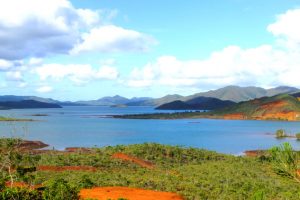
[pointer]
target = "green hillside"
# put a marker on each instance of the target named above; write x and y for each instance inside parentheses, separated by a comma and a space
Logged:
(285, 107)
(280, 107)
(190, 172)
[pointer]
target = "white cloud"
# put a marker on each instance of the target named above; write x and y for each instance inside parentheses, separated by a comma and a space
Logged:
(5, 65)
(112, 38)
(22, 84)
(262, 65)
(286, 28)
(14, 76)
(37, 28)
(79, 74)
(35, 61)
(44, 89)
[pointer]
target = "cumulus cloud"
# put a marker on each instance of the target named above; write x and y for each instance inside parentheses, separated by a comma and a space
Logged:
(14, 76)
(265, 65)
(5, 65)
(37, 28)
(111, 38)
(286, 28)
(44, 89)
(77, 73)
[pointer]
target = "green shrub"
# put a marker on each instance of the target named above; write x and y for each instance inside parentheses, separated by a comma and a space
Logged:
(86, 182)
(285, 160)
(20, 194)
(60, 190)
(298, 136)
(280, 133)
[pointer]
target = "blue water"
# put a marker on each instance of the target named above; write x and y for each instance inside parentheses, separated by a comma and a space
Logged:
(86, 127)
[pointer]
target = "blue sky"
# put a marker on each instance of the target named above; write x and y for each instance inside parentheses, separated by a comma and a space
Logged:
(78, 49)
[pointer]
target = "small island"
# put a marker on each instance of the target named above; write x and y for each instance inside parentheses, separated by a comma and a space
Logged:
(9, 119)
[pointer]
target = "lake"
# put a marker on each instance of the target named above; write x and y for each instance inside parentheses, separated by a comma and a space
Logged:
(85, 126)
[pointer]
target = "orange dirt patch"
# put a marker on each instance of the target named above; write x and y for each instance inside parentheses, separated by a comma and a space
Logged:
(235, 116)
(22, 185)
(133, 159)
(66, 168)
(254, 153)
(290, 116)
(115, 193)
(78, 149)
(273, 105)
(298, 172)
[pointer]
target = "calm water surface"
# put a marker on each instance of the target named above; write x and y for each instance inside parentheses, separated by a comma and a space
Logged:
(84, 127)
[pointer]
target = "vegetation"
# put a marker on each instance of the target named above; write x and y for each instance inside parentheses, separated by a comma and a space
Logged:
(298, 136)
(193, 173)
(286, 161)
(280, 107)
(281, 133)
(7, 119)
(198, 103)
(26, 104)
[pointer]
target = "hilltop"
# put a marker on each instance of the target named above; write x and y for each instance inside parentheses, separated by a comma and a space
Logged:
(27, 104)
(198, 103)
(238, 94)
(279, 107)
(229, 93)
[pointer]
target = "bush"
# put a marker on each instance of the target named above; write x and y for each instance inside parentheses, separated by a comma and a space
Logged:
(60, 189)
(86, 182)
(298, 136)
(280, 133)
(285, 161)
(20, 194)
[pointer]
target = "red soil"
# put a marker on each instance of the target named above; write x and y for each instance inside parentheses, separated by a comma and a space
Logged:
(22, 185)
(273, 105)
(31, 145)
(254, 153)
(133, 159)
(298, 172)
(78, 149)
(115, 193)
(290, 116)
(66, 168)
(235, 116)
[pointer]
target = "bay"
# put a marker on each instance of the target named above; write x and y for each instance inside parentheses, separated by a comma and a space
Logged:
(87, 126)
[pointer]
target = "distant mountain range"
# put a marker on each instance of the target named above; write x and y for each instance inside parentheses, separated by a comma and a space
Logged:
(280, 107)
(115, 100)
(229, 93)
(238, 94)
(198, 103)
(26, 104)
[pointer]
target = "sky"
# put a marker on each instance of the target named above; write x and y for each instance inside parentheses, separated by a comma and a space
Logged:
(87, 49)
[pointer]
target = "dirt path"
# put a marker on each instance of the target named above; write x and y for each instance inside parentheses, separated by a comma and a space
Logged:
(66, 168)
(22, 185)
(115, 193)
(133, 159)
